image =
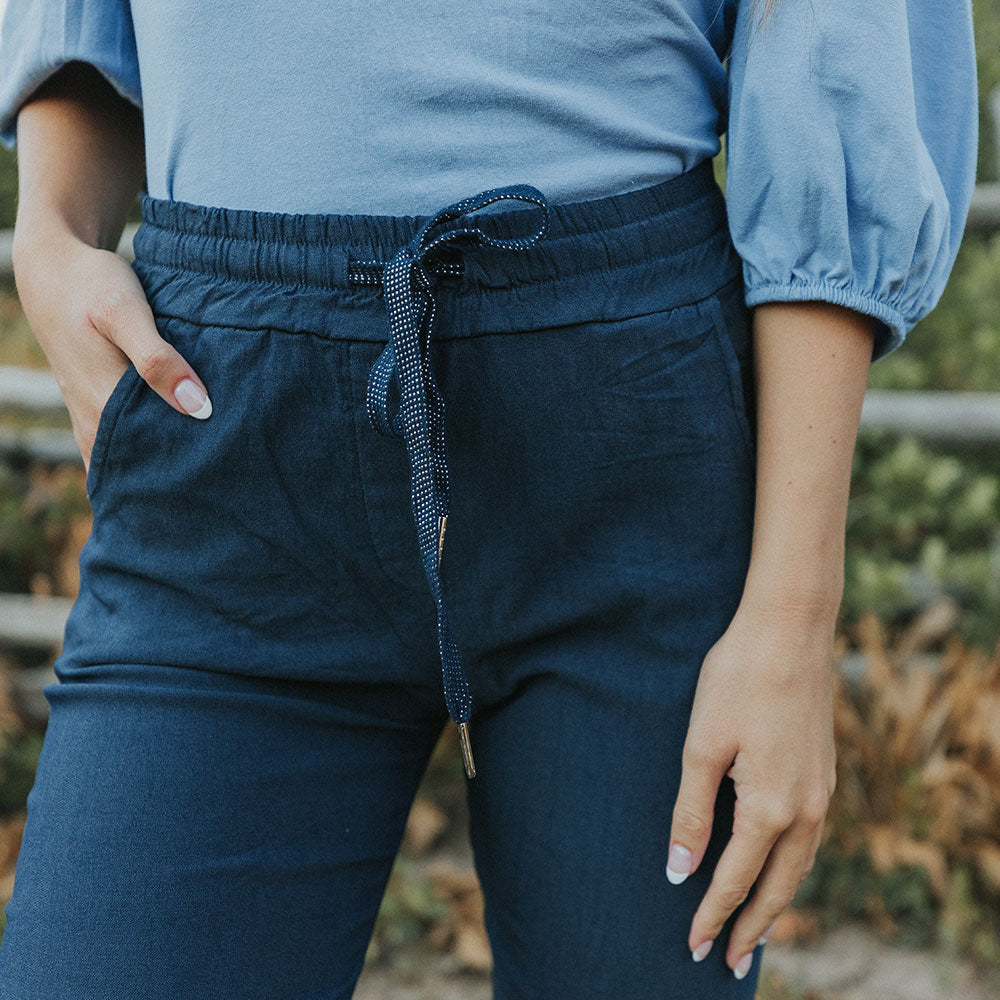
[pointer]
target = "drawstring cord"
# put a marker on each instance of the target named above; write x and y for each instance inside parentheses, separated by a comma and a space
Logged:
(419, 419)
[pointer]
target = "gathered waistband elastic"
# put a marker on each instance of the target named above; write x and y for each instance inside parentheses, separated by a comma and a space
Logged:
(254, 269)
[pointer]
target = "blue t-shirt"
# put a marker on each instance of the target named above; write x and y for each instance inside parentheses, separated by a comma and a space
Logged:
(852, 127)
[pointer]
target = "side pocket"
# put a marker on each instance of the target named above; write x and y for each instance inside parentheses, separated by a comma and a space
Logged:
(106, 424)
(733, 336)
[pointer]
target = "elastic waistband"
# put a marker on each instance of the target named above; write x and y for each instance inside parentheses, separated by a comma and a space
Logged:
(213, 265)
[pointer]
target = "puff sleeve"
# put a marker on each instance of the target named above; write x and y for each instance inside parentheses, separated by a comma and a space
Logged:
(39, 36)
(851, 153)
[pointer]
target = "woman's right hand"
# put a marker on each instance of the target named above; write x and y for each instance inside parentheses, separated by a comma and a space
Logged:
(89, 313)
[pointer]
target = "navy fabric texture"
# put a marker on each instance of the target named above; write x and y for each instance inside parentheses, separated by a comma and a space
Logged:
(250, 683)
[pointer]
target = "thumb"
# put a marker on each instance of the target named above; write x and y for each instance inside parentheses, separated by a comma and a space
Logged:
(691, 827)
(125, 318)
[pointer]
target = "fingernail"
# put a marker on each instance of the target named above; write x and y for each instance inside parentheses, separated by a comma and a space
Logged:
(701, 951)
(192, 398)
(763, 938)
(742, 967)
(678, 864)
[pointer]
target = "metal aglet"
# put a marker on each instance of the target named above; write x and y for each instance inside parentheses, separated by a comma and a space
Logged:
(443, 522)
(463, 738)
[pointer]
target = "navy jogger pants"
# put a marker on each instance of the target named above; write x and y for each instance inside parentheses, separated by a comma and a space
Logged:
(251, 680)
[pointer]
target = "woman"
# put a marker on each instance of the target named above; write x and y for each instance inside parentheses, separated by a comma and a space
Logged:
(352, 218)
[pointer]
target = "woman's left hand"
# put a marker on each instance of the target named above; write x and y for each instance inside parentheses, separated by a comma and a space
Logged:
(763, 715)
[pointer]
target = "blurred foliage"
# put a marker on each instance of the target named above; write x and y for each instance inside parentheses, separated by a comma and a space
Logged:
(773, 986)
(986, 23)
(924, 521)
(957, 345)
(409, 910)
(19, 750)
(8, 187)
(18, 344)
(44, 518)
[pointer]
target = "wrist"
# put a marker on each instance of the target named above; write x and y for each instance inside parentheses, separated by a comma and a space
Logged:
(799, 566)
(38, 233)
(49, 227)
(45, 247)
(803, 599)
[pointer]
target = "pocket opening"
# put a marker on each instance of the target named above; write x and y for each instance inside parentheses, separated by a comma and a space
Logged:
(106, 425)
(739, 375)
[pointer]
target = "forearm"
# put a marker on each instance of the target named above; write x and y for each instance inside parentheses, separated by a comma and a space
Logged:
(81, 160)
(811, 362)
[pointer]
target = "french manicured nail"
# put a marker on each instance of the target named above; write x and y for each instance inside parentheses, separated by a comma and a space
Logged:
(763, 938)
(193, 400)
(701, 951)
(678, 864)
(742, 967)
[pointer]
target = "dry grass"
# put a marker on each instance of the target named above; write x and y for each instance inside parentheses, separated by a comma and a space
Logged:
(919, 758)
(918, 787)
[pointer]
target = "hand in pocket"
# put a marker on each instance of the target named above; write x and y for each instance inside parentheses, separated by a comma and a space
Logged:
(89, 313)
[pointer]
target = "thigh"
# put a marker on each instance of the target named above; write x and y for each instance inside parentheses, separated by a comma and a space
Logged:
(241, 721)
(570, 820)
(590, 585)
(192, 833)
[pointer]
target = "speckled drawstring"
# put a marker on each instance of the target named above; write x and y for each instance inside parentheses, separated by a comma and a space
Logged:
(419, 419)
